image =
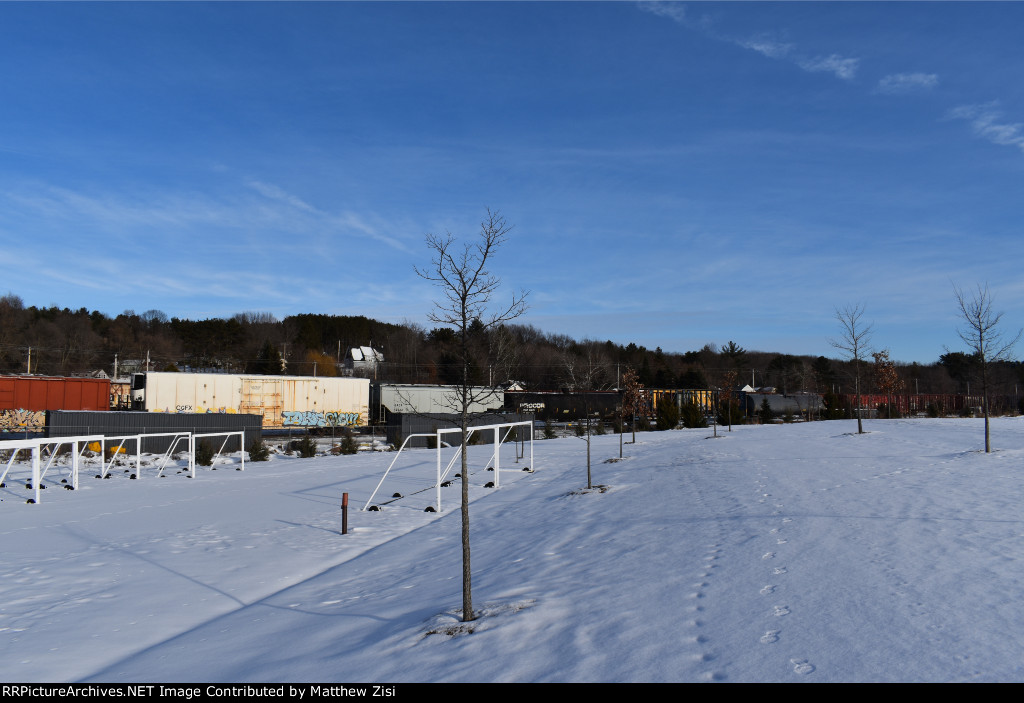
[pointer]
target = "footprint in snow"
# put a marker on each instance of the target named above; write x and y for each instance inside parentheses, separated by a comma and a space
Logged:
(767, 589)
(801, 666)
(768, 555)
(781, 541)
(779, 570)
(780, 610)
(770, 637)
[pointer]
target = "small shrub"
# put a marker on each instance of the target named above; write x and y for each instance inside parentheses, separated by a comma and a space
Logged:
(549, 431)
(834, 410)
(306, 447)
(577, 428)
(730, 406)
(765, 413)
(258, 450)
(667, 417)
(599, 428)
(787, 415)
(348, 443)
(888, 411)
(692, 415)
(204, 453)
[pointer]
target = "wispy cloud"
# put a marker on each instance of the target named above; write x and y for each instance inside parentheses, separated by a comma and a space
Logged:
(345, 220)
(275, 193)
(896, 83)
(985, 123)
(675, 11)
(845, 68)
(271, 209)
(763, 43)
(766, 45)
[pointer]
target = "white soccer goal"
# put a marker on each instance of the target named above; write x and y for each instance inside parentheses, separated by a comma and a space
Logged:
(502, 432)
(36, 448)
(226, 435)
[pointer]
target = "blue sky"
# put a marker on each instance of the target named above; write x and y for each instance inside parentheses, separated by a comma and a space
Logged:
(677, 173)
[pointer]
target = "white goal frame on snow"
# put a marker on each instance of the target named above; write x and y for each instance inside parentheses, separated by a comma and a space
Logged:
(226, 436)
(36, 446)
(441, 475)
(118, 449)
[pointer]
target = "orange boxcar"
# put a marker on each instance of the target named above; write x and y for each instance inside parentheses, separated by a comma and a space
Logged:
(54, 393)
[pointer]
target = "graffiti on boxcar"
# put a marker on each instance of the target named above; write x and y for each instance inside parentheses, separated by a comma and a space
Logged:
(22, 420)
(313, 418)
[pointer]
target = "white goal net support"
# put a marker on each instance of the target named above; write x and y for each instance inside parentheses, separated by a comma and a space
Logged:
(43, 455)
(37, 450)
(503, 433)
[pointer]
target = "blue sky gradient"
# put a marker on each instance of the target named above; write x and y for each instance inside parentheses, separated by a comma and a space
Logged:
(677, 174)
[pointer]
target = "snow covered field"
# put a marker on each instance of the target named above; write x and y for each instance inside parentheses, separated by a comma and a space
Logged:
(782, 553)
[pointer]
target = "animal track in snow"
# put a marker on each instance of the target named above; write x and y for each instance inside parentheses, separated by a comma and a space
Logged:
(767, 589)
(781, 541)
(768, 555)
(787, 519)
(779, 570)
(801, 666)
(780, 610)
(770, 637)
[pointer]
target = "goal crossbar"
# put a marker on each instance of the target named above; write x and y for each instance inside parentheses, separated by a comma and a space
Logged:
(438, 435)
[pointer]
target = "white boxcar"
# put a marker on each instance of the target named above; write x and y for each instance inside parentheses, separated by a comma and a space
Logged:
(283, 401)
(423, 399)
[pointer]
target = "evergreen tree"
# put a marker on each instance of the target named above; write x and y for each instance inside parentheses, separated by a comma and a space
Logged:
(268, 361)
(667, 417)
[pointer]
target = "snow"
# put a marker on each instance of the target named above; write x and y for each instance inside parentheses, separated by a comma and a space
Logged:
(782, 553)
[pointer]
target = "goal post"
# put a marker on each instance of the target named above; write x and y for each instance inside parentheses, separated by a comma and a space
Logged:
(502, 431)
(495, 456)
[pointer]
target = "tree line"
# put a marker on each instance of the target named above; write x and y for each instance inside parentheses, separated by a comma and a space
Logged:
(62, 341)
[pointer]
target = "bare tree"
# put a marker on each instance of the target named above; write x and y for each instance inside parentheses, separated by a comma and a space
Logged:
(584, 373)
(632, 397)
(984, 340)
(887, 378)
(854, 341)
(460, 271)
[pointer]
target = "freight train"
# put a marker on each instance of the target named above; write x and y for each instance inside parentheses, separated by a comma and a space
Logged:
(24, 400)
(283, 401)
